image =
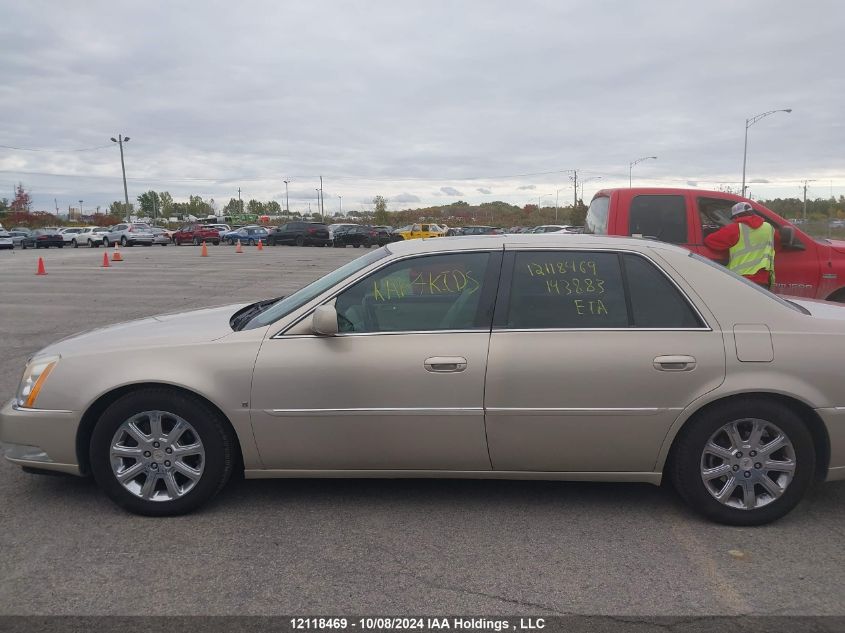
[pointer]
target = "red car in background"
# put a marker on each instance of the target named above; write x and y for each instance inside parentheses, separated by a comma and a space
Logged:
(196, 234)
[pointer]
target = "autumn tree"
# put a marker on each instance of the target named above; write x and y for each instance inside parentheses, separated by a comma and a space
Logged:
(23, 201)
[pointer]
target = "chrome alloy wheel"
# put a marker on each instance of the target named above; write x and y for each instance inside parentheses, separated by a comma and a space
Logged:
(157, 456)
(748, 463)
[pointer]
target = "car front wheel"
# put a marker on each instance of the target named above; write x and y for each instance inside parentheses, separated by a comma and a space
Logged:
(159, 452)
(745, 462)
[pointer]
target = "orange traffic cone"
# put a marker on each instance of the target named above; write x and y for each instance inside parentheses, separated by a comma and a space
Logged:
(204, 251)
(116, 256)
(106, 260)
(41, 270)
(260, 246)
(239, 248)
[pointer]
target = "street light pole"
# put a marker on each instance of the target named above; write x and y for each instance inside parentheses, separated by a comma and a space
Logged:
(120, 140)
(340, 198)
(748, 124)
(805, 204)
(287, 201)
(317, 189)
(805, 197)
(635, 162)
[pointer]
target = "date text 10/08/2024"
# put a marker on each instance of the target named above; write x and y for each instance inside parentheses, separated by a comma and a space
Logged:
(466, 624)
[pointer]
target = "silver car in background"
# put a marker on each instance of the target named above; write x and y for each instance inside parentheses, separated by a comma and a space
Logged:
(129, 234)
(526, 357)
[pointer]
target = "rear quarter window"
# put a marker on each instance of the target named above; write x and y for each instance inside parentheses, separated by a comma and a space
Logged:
(597, 216)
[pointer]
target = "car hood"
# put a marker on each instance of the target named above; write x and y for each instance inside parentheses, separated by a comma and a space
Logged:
(822, 309)
(179, 328)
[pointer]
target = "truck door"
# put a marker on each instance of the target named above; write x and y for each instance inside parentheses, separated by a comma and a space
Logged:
(797, 267)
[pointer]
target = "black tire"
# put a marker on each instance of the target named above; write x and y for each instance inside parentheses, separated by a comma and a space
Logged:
(124, 242)
(196, 241)
(358, 245)
(23, 246)
(216, 242)
(93, 244)
(250, 243)
(231, 242)
(105, 242)
(684, 466)
(74, 243)
(300, 240)
(214, 433)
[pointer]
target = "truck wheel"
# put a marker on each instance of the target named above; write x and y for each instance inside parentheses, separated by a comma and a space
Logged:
(745, 462)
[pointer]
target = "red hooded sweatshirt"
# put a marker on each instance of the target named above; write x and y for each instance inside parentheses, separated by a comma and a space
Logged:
(728, 236)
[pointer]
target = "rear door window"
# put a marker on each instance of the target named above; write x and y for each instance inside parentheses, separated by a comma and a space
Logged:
(566, 289)
(655, 300)
(659, 217)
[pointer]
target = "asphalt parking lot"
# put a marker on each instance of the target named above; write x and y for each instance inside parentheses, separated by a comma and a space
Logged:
(364, 547)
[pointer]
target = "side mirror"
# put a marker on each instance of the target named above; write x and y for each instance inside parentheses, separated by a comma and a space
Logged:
(788, 239)
(324, 321)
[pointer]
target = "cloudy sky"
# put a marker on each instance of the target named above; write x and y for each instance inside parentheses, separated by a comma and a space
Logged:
(422, 102)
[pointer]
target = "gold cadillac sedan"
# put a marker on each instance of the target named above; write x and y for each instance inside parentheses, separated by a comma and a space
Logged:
(532, 357)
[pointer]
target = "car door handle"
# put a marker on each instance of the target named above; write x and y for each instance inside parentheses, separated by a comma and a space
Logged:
(445, 364)
(674, 363)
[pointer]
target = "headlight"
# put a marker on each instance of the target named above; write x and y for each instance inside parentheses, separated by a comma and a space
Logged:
(34, 377)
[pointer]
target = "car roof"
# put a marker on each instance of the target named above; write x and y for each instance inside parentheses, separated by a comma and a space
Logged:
(515, 240)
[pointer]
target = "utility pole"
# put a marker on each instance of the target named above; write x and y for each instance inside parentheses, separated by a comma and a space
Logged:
(240, 208)
(340, 199)
(120, 140)
(317, 189)
(575, 187)
(287, 201)
(56, 202)
(805, 197)
(80, 205)
(322, 203)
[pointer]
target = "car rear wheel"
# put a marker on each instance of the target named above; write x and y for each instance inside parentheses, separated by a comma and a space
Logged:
(231, 242)
(160, 452)
(74, 243)
(745, 462)
(124, 241)
(300, 240)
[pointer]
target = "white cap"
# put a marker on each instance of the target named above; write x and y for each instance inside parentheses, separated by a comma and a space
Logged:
(739, 208)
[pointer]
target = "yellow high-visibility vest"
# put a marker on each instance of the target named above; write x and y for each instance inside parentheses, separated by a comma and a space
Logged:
(754, 250)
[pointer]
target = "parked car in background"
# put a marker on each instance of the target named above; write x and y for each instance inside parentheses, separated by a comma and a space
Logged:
(69, 232)
(18, 236)
(334, 227)
(356, 236)
(221, 228)
(91, 236)
(386, 235)
(129, 234)
(248, 235)
(6, 242)
(480, 230)
(161, 236)
(301, 234)
(553, 228)
(43, 238)
(416, 231)
(195, 233)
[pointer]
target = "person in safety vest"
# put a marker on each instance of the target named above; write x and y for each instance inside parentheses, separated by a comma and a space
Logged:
(750, 242)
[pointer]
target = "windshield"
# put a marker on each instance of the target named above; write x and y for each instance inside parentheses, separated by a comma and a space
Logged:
(306, 294)
(751, 284)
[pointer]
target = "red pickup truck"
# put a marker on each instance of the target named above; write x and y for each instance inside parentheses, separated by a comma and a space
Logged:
(804, 266)
(195, 234)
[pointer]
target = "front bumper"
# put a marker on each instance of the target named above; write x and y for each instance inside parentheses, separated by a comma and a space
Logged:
(39, 438)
